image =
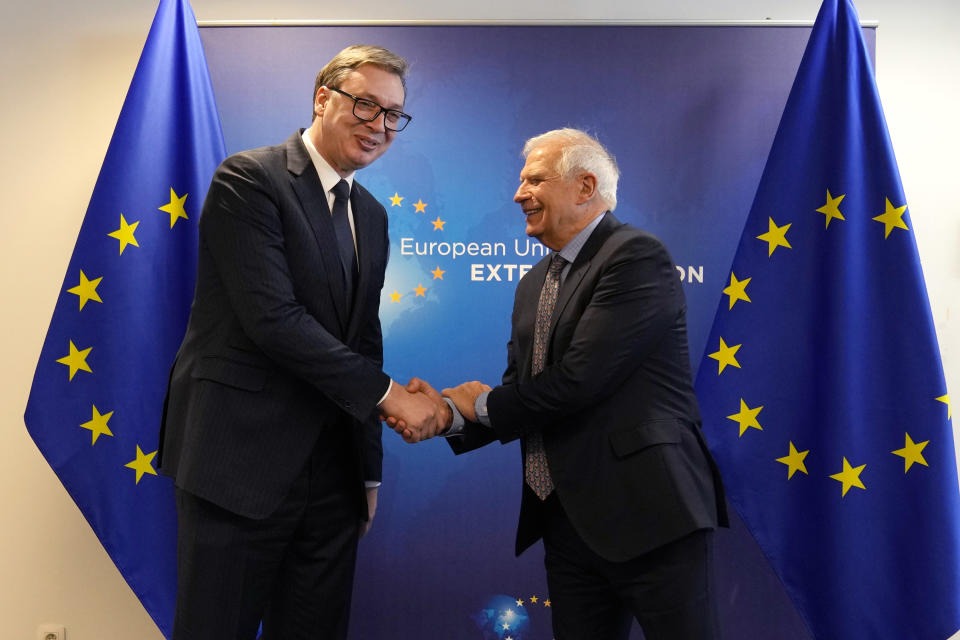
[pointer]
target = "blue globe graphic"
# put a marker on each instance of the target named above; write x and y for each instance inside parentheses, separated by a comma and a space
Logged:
(502, 618)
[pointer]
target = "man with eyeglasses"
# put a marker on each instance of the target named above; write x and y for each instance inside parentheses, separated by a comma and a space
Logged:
(270, 427)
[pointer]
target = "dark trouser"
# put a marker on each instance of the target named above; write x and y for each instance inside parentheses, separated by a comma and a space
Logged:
(669, 591)
(292, 570)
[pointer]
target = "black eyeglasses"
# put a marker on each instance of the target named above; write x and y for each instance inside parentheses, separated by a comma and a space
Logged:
(368, 111)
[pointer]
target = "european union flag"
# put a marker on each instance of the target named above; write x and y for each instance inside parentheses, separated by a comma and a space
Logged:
(97, 396)
(822, 390)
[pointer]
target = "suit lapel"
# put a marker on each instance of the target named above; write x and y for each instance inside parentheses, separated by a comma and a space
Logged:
(577, 270)
(367, 245)
(580, 266)
(313, 203)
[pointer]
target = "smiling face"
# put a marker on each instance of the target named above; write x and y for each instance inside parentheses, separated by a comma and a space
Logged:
(345, 141)
(552, 204)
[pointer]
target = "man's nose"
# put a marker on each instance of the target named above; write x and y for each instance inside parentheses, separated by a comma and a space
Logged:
(521, 194)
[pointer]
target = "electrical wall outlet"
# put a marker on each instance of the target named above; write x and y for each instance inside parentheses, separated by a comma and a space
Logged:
(51, 632)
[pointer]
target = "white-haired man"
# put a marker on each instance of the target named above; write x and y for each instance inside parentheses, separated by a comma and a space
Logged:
(617, 478)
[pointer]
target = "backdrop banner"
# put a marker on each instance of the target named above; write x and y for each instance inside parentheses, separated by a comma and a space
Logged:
(690, 113)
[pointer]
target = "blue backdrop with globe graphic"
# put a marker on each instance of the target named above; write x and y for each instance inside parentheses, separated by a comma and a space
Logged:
(689, 111)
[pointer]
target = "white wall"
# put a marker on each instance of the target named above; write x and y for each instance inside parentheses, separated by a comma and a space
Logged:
(66, 67)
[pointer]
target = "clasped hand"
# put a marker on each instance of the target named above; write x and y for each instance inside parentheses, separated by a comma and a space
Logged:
(418, 412)
(414, 414)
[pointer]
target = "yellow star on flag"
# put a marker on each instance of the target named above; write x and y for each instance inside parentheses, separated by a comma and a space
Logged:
(737, 290)
(86, 290)
(420, 206)
(747, 417)
(832, 208)
(546, 603)
(175, 207)
(849, 477)
(438, 224)
(533, 599)
(98, 425)
(438, 273)
(142, 464)
(776, 236)
(396, 200)
(421, 291)
(911, 452)
(125, 234)
(726, 356)
(945, 399)
(892, 218)
(794, 461)
(76, 360)
(519, 602)
(396, 295)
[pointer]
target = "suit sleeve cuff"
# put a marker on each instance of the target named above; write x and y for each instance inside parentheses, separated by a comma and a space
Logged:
(386, 393)
(480, 407)
(456, 427)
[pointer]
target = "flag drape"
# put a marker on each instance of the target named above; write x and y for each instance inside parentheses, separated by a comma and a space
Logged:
(97, 396)
(822, 389)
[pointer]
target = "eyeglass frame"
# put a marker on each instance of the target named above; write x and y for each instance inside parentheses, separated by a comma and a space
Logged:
(380, 110)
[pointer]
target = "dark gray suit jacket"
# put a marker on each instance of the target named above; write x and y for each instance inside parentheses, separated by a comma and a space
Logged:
(275, 352)
(615, 402)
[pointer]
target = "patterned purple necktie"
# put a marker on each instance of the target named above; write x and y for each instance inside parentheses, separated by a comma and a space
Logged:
(535, 470)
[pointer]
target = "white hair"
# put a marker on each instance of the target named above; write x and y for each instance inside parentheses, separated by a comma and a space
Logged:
(579, 151)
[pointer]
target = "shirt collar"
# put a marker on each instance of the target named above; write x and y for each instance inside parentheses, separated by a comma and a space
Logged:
(572, 248)
(328, 175)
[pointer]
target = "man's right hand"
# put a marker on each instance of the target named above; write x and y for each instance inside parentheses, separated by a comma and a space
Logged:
(417, 415)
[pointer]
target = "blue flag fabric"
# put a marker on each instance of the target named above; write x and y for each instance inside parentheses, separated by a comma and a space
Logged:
(822, 390)
(97, 397)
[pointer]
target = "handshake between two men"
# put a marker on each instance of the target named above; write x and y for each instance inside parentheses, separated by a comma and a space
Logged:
(419, 412)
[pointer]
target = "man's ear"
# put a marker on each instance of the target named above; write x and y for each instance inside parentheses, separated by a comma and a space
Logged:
(588, 187)
(320, 101)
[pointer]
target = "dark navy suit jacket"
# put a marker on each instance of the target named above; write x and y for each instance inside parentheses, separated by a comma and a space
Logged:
(615, 401)
(276, 351)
